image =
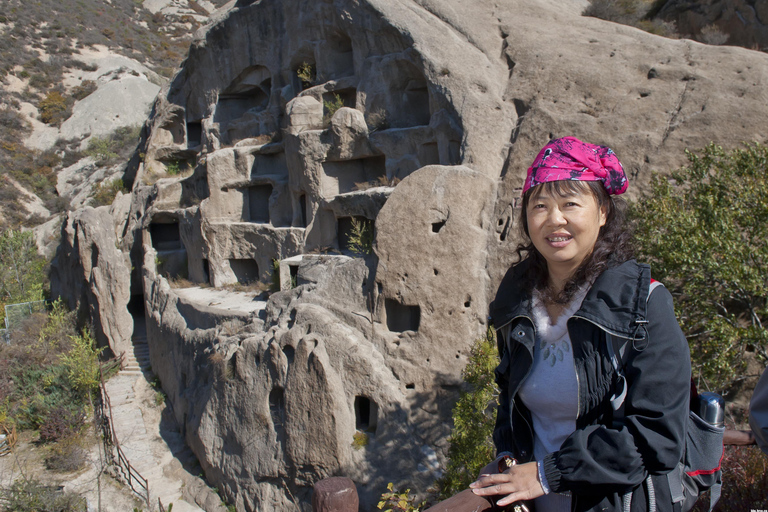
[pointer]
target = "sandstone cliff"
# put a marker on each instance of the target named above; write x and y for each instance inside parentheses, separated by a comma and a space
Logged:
(441, 107)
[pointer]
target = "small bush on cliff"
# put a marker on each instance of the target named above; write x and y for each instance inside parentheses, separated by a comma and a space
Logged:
(473, 418)
(54, 108)
(102, 194)
(704, 230)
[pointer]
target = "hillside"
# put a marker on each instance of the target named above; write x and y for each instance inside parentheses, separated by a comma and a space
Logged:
(73, 70)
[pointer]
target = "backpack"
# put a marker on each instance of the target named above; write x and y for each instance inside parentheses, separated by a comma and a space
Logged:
(699, 469)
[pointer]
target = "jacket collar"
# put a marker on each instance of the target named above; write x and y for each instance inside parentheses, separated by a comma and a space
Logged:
(616, 302)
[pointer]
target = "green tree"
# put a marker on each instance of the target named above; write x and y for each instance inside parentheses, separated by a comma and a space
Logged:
(473, 418)
(21, 268)
(704, 230)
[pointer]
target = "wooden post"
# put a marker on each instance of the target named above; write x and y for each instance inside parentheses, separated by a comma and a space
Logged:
(335, 494)
(465, 501)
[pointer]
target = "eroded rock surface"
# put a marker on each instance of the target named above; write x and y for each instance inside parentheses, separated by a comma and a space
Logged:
(294, 129)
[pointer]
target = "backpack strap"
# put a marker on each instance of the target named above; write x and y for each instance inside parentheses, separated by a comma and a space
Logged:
(617, 348)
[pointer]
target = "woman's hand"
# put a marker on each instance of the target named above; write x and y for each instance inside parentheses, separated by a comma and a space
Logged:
(519, 482)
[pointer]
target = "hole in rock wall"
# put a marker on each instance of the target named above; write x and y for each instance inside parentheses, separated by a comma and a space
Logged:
(342, 177)
(345, 231)
(258, 203)
(246, 270)
(294, 269)
(194, 134)
(290, 353)
(366, 414)
(437, 226)
(165, 236)
(304, 208)
(250, 91)
(277, 411)
(401, 317)
(338, 57)
(409, 96)
(429, 154)
(94, 256)
(454, 152)
(206, 271)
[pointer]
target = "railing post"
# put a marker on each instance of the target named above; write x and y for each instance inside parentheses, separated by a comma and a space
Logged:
(335, 494)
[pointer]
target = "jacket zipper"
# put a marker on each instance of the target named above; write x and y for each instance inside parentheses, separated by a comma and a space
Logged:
(528, 372)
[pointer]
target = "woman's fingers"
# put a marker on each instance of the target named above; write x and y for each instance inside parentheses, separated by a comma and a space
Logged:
(517, 483)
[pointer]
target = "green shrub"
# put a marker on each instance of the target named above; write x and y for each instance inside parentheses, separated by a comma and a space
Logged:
(394, 501)
(704, 231)
(53, 108)
(82, 364)
(102, 194)
(67, 455)
(471, 444)
(85, 89)
(22, 275)
(331, 107)
(306, 74)
(361, 236)
(118, 144)
(33, 496)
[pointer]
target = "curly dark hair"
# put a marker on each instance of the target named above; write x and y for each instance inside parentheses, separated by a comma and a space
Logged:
(613, 245)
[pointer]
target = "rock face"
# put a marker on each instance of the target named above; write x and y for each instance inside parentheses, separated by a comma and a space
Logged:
(298, 130)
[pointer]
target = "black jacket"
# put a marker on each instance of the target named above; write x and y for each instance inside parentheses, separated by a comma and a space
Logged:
(601, 460)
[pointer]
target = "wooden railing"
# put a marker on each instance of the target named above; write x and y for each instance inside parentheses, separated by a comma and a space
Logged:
(9, 441)
(116, 456)
(339, 494)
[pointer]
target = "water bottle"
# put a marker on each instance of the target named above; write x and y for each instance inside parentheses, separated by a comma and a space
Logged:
(712, 408)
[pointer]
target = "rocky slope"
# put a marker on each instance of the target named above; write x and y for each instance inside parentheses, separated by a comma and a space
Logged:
(292, 124)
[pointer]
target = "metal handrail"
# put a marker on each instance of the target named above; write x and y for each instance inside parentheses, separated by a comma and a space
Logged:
(132, 477)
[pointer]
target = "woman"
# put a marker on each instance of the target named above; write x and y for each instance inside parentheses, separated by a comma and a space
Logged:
(557, 311)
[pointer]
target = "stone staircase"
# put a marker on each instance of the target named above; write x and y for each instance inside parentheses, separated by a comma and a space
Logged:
(137, 361)
(138, 430)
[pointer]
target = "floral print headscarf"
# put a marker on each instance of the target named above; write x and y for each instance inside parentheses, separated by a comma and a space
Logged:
(571, 159)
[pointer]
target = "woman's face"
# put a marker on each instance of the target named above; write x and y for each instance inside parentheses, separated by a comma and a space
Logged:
(564, 228)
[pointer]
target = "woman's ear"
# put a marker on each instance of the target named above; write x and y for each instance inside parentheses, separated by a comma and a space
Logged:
(603, 214)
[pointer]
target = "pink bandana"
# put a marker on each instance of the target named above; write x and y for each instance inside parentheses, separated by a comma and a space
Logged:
(571, 159)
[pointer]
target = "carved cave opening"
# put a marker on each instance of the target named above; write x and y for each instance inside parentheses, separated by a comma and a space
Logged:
(401, 317)
(408, 103)
(194, 134)
(304, 208)
(338, 58)
(429, 154)
(366, 414)
(165, 236)
(249, 91)
(342, 177)
(246, 270)
(277, 412)
(206, 271)
(258, 203)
